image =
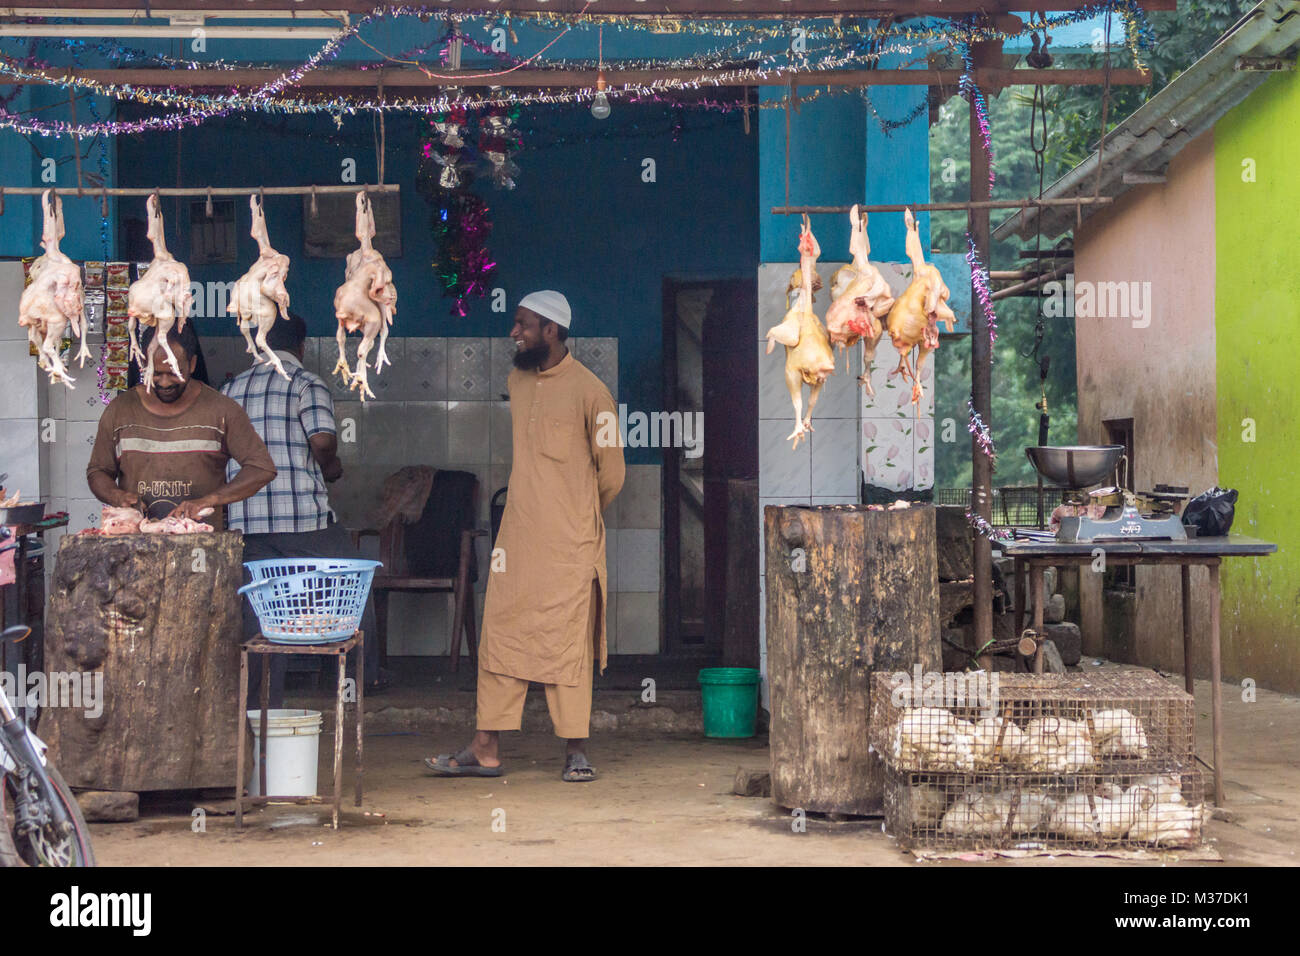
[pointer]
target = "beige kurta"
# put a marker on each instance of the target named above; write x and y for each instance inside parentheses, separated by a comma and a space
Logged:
(552, 537)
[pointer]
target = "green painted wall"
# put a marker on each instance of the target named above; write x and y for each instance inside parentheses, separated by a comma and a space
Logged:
(1257, 312)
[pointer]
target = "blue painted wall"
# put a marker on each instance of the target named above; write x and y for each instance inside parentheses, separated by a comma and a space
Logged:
(581, 220)
(840, 155)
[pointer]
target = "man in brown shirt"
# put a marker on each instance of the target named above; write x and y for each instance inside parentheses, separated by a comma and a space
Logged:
(165, 451)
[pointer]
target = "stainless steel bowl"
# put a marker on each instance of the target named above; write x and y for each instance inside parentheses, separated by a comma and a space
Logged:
(1075, 466)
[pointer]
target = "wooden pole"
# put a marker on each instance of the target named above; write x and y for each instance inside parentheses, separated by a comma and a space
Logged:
(981, 371)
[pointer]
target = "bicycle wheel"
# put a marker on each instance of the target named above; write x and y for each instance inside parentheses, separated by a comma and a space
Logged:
(43, 848)
(8, 852)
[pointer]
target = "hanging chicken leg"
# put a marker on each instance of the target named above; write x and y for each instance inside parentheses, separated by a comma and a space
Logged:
(914, 319)
(260, 292)
(160, 298)
(808, 356)
(860, 299)
(55, 299)
(366, 301)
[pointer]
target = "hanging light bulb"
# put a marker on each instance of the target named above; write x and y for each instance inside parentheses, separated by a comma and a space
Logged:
(600, 105)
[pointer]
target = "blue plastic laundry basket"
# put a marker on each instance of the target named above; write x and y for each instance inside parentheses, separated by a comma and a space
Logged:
(309, 600)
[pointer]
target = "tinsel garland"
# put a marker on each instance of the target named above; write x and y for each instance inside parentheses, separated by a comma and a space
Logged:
(200, 107)
(460, 219)
(197, 109)
(980, 431)
(982, 282)
(982, 526)
(973, 95)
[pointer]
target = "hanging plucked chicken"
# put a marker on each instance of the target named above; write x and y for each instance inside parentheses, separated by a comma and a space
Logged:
(55, 299)
(808, 356)
(260, 293)
(159, 298)
(860, 298)
(914, 319)
(366, 301)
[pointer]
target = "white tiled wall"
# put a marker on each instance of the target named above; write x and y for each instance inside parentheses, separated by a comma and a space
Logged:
(885, 437)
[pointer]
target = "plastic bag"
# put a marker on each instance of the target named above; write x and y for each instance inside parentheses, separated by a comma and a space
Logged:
(1211, 512)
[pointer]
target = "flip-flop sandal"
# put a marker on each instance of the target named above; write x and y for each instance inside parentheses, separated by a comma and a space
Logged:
(467, 765)
(577, 769)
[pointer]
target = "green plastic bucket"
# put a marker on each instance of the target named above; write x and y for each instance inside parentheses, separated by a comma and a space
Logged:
(730, 701)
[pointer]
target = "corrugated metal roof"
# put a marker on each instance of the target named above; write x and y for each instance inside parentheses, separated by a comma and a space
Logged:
(1192, 103)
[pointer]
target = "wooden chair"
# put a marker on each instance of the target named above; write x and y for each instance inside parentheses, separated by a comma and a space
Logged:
(395, 576)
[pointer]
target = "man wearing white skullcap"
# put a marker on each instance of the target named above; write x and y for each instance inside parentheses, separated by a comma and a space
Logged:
(544, 613)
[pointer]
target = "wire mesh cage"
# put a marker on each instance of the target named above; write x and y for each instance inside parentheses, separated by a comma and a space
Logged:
(1162, 809)
(1013, 506)
(1120, 721)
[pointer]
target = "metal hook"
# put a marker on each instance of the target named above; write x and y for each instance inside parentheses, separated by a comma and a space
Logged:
(2, 200)
(314, 210)
(207, 208)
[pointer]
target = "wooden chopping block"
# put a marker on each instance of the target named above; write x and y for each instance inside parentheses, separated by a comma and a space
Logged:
(158, 616)
(849, 592)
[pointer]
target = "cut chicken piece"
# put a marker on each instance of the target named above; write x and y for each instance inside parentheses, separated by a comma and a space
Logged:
(260, 293)
(860, 299)
(808, 356)
(366, 302)
(160, 298)
(913, 321)
(54, 301)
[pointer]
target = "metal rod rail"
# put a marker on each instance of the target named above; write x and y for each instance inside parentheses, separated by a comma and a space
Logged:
(960, 206)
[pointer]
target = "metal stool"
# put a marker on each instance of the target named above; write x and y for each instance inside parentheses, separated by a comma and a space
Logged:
(339, 649)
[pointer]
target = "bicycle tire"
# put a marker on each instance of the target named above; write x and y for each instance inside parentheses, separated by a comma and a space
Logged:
(9, 855)
(85, 854)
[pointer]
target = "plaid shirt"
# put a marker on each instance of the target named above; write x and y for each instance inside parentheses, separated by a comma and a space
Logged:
(286, 415)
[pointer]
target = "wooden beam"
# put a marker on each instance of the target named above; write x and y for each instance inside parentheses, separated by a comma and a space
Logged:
(681, 9)
(413, 79)
(943, 206)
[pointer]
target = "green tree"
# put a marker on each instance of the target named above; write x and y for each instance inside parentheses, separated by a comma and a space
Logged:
(1074, 127)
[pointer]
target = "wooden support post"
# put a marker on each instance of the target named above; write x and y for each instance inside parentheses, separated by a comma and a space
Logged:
(1188, 680)
(985, 54)
(1216, 684)
(1036, 588)
(361, 711)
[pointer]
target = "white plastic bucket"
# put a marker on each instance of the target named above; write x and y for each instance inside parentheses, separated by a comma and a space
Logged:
(292, 752)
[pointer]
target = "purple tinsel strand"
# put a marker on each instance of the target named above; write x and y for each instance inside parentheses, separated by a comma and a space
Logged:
(981, 432)
(980, 279)
(986, 529)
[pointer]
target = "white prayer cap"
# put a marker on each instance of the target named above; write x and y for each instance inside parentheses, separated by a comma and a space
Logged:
(549, 304)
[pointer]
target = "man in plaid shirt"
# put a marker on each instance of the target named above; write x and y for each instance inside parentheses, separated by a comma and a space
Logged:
(291, 517)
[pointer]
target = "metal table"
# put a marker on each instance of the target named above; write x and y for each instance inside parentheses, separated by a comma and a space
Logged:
(1036, 555)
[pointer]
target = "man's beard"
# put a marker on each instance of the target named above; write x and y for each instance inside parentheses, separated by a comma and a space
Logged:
(168, 393)
(529, 359)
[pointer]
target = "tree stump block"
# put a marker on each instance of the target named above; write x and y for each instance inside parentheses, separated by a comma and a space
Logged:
(158, 617)
(849, 592)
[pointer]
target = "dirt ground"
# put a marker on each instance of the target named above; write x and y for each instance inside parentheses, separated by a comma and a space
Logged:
(662, 799)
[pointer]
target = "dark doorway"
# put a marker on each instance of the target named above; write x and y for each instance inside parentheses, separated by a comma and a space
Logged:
(711, 499)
